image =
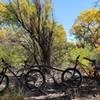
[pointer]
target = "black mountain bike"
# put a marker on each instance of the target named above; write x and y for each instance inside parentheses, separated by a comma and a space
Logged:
(70, 77)
(23, 78)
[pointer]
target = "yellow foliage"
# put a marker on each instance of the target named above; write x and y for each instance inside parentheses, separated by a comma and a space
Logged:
(2, 34)
(2, 10)
(76, 28)
(89, 15)
(98, 40)
(87, 25)
(98, 49)
(2, 7)
(59, 34)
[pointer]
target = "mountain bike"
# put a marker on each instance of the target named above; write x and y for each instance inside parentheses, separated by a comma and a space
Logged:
(22, 78)
(70, 72)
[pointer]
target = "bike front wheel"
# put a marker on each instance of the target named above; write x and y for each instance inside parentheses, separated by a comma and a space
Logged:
(71, 77)
(35, 79)
(4, 81)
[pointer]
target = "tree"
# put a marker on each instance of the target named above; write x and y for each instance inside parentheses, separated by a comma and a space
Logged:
(87, 27)
(35, 23)
(87, 30)
(35, 18)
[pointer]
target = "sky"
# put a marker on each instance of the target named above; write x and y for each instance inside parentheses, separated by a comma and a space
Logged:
(66, 11)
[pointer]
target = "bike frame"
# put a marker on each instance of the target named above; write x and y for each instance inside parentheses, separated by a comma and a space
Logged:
(8, 67)
(81, 65)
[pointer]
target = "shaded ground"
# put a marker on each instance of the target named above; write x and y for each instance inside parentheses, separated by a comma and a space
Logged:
(89, 90)
(60, 92)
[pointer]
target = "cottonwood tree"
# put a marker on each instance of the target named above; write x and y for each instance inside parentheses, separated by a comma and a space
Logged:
(36, 30)
(36, 18)
(87, 27)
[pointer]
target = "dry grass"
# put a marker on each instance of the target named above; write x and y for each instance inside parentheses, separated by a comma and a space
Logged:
(13, 95)
(10, 97)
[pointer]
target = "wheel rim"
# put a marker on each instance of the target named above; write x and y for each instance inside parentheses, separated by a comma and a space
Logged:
(34, 79)
(71, 78)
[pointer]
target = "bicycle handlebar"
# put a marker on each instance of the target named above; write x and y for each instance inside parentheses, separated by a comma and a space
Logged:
(93, 61)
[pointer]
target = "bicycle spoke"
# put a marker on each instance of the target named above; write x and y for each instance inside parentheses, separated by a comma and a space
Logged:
(34, 78)
(71, 77)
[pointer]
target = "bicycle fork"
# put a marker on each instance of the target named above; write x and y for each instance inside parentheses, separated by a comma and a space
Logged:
(3, 72)
(75, 68)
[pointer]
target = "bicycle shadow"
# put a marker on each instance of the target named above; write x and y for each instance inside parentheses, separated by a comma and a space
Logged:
(53, 91)
(83, 91)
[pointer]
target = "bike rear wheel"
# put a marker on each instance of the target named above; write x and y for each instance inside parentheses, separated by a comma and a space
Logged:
(4, 81)
(71, 77)
(35, 79)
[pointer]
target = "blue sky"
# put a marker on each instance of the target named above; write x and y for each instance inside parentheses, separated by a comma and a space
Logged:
(66, 11)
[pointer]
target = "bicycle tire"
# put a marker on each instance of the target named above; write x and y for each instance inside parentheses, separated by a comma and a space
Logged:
(4, 82)
(72, 81)
(32, 76)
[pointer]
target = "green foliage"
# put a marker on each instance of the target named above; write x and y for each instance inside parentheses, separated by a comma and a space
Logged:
(73, 50)
(13, 54)
(10, 50)
(6, 17)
